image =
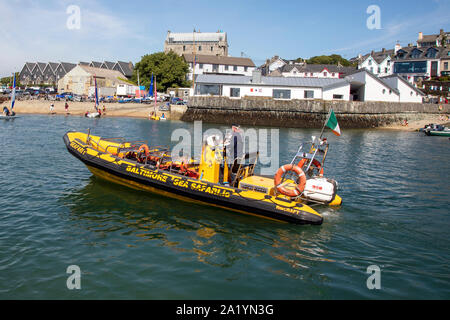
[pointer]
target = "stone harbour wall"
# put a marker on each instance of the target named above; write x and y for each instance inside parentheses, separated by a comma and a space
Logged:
(305, 113)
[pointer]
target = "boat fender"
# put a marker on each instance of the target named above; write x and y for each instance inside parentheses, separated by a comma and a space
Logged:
(315, 162)
(300, 186)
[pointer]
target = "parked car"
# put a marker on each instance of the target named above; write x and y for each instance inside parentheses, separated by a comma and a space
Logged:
(178, 103)
(68, 96)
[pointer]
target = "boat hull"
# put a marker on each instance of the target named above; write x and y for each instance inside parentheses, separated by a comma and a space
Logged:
(145, 178)
(438, 133)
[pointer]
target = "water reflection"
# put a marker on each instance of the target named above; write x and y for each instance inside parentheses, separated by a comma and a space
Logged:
(212, 236)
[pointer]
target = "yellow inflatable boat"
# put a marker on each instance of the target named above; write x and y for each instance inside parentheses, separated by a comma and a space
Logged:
(208, 181)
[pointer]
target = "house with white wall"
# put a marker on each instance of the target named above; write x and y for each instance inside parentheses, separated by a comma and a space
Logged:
(286, 88)
(330, 71)
(207, 64)
(379, 63)
(366, 86)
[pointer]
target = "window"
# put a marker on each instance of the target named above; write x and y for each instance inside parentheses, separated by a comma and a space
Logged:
(325, 74)
(281, 94)
(431, 53)
(338, 96)
(445, 65)
(384, 91)
(309, 94)
(386, 70)
(412, 93)
(371, 69)
(215, 68)
(245, 69)
(333, 74)
(389, 62)
(199, 48)
(184, 48)
(379, 70)
(370, 62)
(312, 74)
(200, 66)
(212, 48)
(234, 68)
(226, 68)
(235, 92)
(410, 67)
(208, 89)
(415, 53)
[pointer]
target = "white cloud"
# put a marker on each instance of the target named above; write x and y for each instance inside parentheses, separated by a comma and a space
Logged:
(37, 31)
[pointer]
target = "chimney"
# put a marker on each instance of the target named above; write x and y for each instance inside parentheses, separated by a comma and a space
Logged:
(256, 76)
(383, 50)
(441, 32)
(410, 45)
(372, 53)
(397, 47)
(360, 56)
(420, 35)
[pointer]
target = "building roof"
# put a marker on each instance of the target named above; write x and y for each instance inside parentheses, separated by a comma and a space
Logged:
(197, 36)
(408, 53)
(378, 56)
(404, 81)
(30, 65)
(317, 68)
(125, 67)
(103, 73)
(108, 64)
(53, 65)
(67, 66)
(95, 64)
(271, 81)
(210, 59)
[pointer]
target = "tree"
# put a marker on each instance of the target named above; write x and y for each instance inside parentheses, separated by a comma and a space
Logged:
(169, 69)
(8, 81)
(331, 59)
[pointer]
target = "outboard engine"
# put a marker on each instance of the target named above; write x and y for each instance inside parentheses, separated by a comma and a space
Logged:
(320, 189)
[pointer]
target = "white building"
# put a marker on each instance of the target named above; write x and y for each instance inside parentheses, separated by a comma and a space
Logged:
(315, 71)
(274, 87)
(366, 86)
(206, 64)
(379, 63)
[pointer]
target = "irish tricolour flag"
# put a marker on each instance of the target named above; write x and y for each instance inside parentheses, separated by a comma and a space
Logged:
(333, 124)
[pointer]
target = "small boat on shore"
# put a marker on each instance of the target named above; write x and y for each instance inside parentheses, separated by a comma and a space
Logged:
(211, 180)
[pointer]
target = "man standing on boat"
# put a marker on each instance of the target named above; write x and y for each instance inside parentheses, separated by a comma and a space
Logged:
(234, 142)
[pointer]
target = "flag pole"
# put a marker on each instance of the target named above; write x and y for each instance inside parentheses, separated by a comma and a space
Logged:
(325, 124)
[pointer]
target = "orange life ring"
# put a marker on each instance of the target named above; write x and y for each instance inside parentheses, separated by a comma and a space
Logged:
(300, 186)
(146, 150)
(315, 162)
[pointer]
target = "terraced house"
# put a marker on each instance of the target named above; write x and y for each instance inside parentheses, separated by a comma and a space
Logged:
(36, 73)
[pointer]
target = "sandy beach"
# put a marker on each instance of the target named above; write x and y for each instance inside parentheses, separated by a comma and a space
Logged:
(79, 109)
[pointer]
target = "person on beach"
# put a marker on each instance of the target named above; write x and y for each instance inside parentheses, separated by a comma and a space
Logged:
(52, 107)
(104, 109)
(66, 107)
(6, 111)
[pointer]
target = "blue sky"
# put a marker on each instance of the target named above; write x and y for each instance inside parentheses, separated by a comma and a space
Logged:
(32, 30)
